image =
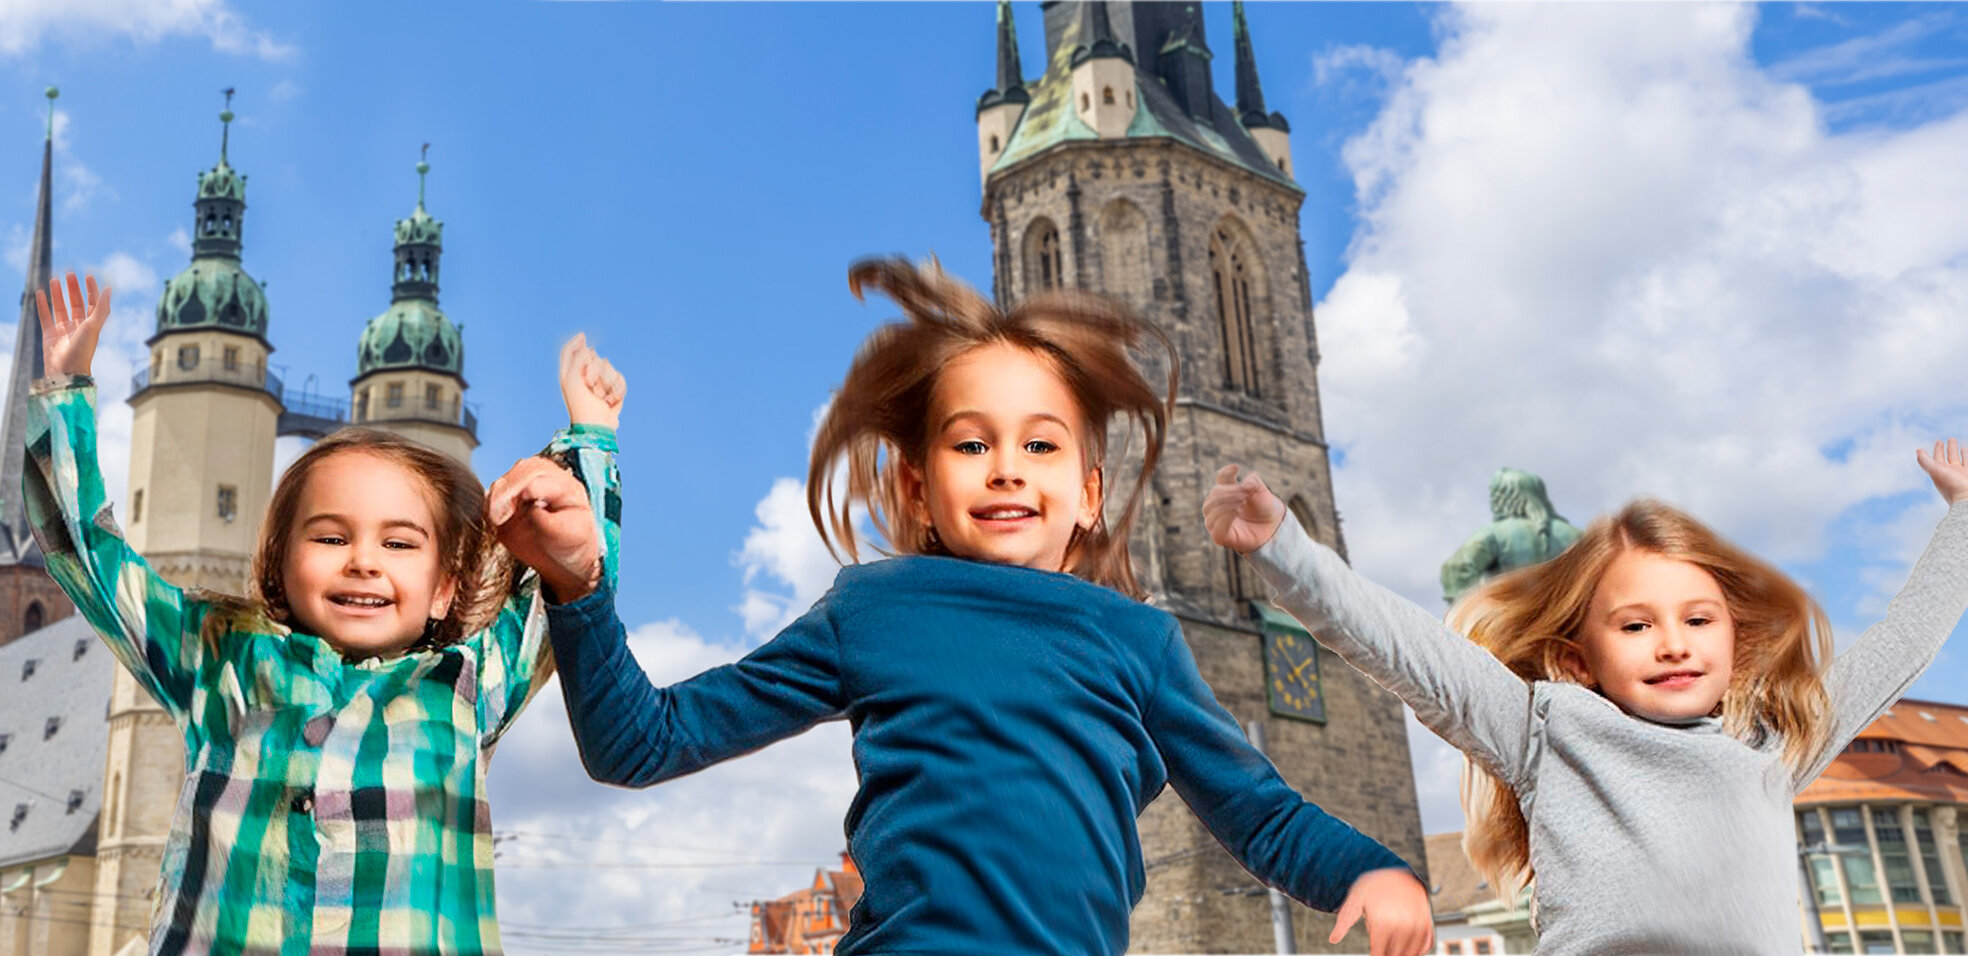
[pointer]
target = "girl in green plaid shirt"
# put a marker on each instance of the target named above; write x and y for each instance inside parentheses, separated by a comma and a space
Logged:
(337, 727)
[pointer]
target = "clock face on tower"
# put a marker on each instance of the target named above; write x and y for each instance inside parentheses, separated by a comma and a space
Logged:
(1291, 675)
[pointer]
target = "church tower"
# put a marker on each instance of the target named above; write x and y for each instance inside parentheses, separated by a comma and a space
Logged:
(29, 598)
(1120, 171)
(201, 469)
(410, 365)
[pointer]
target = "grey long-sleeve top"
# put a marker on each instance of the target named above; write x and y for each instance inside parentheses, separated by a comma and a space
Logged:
(1646, 838)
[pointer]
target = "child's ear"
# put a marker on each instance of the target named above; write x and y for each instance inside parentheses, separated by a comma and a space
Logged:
(909, 480)
(1091, 499)
(1573, 661)
(447, 591)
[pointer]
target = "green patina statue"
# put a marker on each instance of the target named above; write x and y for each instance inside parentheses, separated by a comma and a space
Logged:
(1526, 531)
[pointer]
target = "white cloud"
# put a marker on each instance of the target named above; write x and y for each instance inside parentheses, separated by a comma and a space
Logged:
(24, 24)
(677, 860)
(1343, 63)
(1598, 242)
(285, 90)
(785, 553)
(179, 239)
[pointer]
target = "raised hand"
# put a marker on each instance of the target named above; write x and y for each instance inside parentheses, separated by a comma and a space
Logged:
(69, 330)
(1241, 515)
(1395, 906)
(541, 514)
(590, 385)
(1948, 466)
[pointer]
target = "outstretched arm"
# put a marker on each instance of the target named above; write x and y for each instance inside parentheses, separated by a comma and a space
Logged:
(633, 733)
(1283, 839)
(1879, 667)
(1456, 688)
(149, 624)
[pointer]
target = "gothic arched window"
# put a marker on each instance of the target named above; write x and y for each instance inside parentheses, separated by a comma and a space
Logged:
(34, 618)
(1044, 267)
(1230, 280)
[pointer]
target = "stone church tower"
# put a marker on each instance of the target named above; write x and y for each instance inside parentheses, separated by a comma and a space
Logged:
(29, 598)
(410, 364)
(204, 415)
(1119, 170)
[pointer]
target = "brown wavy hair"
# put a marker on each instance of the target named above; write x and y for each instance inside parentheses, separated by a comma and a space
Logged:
(1532, 620)
(467, 553)
(879, 418)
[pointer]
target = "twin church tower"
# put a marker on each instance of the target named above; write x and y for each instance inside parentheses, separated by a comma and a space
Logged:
(208, 408)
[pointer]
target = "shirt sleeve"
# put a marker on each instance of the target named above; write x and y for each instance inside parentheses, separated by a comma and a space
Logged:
(149, 624)
(1280, 837)
(516, 657)
(1879, 667)
(633, 733)
(1457, 689)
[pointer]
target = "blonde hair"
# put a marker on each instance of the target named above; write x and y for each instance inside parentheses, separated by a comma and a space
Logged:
(1532, 618)
(880, 417)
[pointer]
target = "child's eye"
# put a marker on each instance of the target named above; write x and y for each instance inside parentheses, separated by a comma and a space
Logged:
(1697, 621)
(970, 446)
(328, 539)
(1634, 627)
(1039, 446)
(400, 544)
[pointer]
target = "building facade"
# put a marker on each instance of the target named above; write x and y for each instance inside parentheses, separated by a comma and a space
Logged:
(1883, 833)
(1118, 170)
(811, 920)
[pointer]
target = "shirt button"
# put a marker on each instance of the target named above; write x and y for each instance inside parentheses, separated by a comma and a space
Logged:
(303, 803)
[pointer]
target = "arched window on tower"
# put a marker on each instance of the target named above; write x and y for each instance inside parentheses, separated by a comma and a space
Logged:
(1044, 267)
(33, 619)
(1230, 280)
(1106, 96)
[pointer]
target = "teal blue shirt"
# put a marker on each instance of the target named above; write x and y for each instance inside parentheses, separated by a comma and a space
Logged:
(1009, 726)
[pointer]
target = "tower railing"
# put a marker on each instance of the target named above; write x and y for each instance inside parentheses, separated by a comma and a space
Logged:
(456, 413)
(208, 370)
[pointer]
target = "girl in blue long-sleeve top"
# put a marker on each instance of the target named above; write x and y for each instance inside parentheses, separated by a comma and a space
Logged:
(1015, 706)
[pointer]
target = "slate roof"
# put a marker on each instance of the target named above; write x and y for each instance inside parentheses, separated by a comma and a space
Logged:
(68, 690)
(1050, 120)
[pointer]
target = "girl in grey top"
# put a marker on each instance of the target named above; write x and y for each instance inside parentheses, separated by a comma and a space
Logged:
(1638, 712)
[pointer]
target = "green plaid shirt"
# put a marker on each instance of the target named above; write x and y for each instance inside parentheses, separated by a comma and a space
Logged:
(329, 806)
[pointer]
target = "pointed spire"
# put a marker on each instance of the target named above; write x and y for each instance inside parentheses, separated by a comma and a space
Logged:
(1250, 95)
(14, 537)
(1010, 87)
(1010, 75)
(225, 127)
(1099, 35)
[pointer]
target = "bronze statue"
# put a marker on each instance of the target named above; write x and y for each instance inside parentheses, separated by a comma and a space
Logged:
(1526, 531)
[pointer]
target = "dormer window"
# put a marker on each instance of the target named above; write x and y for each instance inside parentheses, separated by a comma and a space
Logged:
(27, 668)
(74, 800)
(81, 648)
(3, 742)
(20, 816)
(54, 724)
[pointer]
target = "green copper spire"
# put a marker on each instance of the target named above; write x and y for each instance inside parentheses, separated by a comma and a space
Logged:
(52, 93)
(215, 292)
(414, 332)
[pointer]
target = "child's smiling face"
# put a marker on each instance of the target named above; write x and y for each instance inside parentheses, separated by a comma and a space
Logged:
(1004, 476)
(1658, 639)
(361, 569)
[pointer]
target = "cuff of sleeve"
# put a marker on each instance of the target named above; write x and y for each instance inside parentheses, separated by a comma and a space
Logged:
(61, 383)
(594, 608)
(1274, 558)
(582, 435)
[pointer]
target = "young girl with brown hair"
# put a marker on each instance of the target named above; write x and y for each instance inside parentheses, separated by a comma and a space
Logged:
(1638, 713)
(1015, 706)
(336, 725)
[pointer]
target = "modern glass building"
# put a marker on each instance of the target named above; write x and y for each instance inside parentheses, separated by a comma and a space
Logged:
(1881, 837)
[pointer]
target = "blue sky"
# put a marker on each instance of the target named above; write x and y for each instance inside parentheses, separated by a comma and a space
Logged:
(1708, 253)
